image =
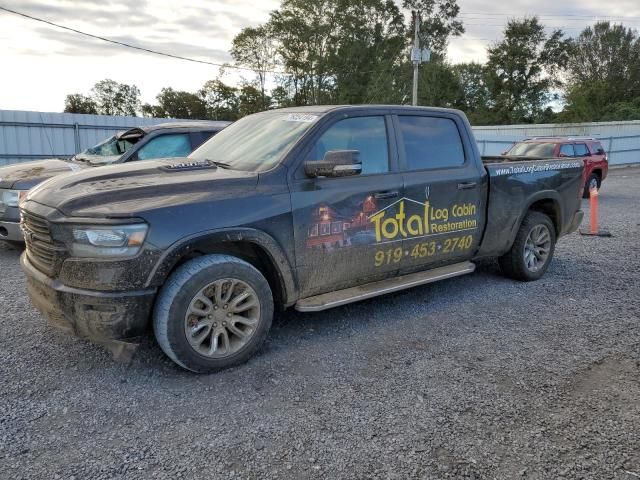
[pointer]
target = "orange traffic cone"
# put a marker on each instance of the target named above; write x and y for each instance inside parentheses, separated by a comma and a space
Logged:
(594, 227)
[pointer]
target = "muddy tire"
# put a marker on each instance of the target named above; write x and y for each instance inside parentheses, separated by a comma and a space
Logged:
(213, 312)
(532, 250)
(592, 181)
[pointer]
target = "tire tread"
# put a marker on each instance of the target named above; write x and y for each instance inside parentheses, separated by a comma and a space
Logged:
(170, 290)
(512, 262)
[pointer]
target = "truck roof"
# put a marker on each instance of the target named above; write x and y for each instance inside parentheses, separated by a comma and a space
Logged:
(330, 108)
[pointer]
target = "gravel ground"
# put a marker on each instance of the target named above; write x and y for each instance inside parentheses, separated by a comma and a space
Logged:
(475, 377)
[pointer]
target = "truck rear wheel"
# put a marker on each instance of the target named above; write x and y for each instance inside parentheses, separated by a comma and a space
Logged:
(532, 250)
(213, 312)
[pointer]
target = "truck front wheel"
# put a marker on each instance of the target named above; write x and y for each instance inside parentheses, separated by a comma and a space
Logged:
(213, 312)
(532, 250)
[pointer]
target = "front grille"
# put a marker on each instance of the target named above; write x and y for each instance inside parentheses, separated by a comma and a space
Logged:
(37, 236)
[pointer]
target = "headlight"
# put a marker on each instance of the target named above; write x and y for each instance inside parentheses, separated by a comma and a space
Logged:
(108, 241)
(11, 198)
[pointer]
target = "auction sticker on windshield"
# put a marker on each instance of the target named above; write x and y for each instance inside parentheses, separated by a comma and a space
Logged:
(301, 117)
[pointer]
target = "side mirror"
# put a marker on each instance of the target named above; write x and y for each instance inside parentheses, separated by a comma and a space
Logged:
(336, 163)
(504, 153)
(562, 155)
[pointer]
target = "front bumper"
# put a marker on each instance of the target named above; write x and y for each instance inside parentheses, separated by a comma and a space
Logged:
(102, 317)
(575, 223)
(11, 231)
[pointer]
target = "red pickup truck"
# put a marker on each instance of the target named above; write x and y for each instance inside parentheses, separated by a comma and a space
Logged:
(589, 150)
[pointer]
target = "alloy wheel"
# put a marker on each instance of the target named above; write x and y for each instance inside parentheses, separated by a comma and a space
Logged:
(537, 248)
(222, 317)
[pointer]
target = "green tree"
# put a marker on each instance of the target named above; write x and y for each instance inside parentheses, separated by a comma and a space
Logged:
(523, 69)
(221, 100)
(606, 53)
(177, 104)
(472, 81)
(603, 70)
(338, 50)
(250, 100)
(79, 103)
(281, 98)
(113, 98)
(439, 22)
(473, 92)
(255, 48)
(367, 44)
(304, 29)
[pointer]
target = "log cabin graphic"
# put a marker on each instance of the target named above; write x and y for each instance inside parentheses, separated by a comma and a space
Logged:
(331, 227)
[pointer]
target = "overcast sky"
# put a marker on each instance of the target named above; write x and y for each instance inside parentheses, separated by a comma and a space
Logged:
(41, 64)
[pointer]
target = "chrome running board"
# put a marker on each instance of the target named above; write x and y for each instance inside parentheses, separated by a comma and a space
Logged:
(389, 285)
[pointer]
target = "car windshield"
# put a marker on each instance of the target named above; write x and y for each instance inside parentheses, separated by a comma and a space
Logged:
(255, 143)
(110, 147)
(532, 149)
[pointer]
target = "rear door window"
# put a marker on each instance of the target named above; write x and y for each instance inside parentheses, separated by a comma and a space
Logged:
(431, 142)
(566, 150)
(581, 150)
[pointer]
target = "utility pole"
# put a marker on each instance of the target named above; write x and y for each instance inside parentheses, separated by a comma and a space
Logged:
(415, 56)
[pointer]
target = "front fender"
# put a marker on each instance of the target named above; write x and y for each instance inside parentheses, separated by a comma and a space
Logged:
(264, 241)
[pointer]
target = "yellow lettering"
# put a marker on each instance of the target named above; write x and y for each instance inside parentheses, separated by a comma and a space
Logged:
(464, 210)
(426, 217)
(394, 228)
(415, 219)
(376, 222)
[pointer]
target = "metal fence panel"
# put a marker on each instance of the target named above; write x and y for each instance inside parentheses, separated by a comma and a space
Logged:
(621, 140)
(31, 135)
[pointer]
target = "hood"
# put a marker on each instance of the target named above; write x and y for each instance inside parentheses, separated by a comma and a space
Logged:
(25, 175)
(130, 189)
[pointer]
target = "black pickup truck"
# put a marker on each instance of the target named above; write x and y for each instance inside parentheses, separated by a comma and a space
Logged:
(310, 207)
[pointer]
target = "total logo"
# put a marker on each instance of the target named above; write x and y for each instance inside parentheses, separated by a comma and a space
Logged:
(426, 221)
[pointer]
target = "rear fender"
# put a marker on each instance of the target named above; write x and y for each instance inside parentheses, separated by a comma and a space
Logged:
(556, 214)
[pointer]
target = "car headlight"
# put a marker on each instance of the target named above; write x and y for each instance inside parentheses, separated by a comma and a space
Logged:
(11, 198)
(108, 241)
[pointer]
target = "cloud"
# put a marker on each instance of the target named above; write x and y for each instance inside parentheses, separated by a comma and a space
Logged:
(73, 45)
(203, 31)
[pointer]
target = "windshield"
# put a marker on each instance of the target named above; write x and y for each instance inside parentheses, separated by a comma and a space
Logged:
(110, 147)
(532, 149)
(255, 143)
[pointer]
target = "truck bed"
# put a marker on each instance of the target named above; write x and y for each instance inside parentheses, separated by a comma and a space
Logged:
(517, 183)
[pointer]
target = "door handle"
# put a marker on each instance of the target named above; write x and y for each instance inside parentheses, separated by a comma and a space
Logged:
(467, 185)
(387, 194)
